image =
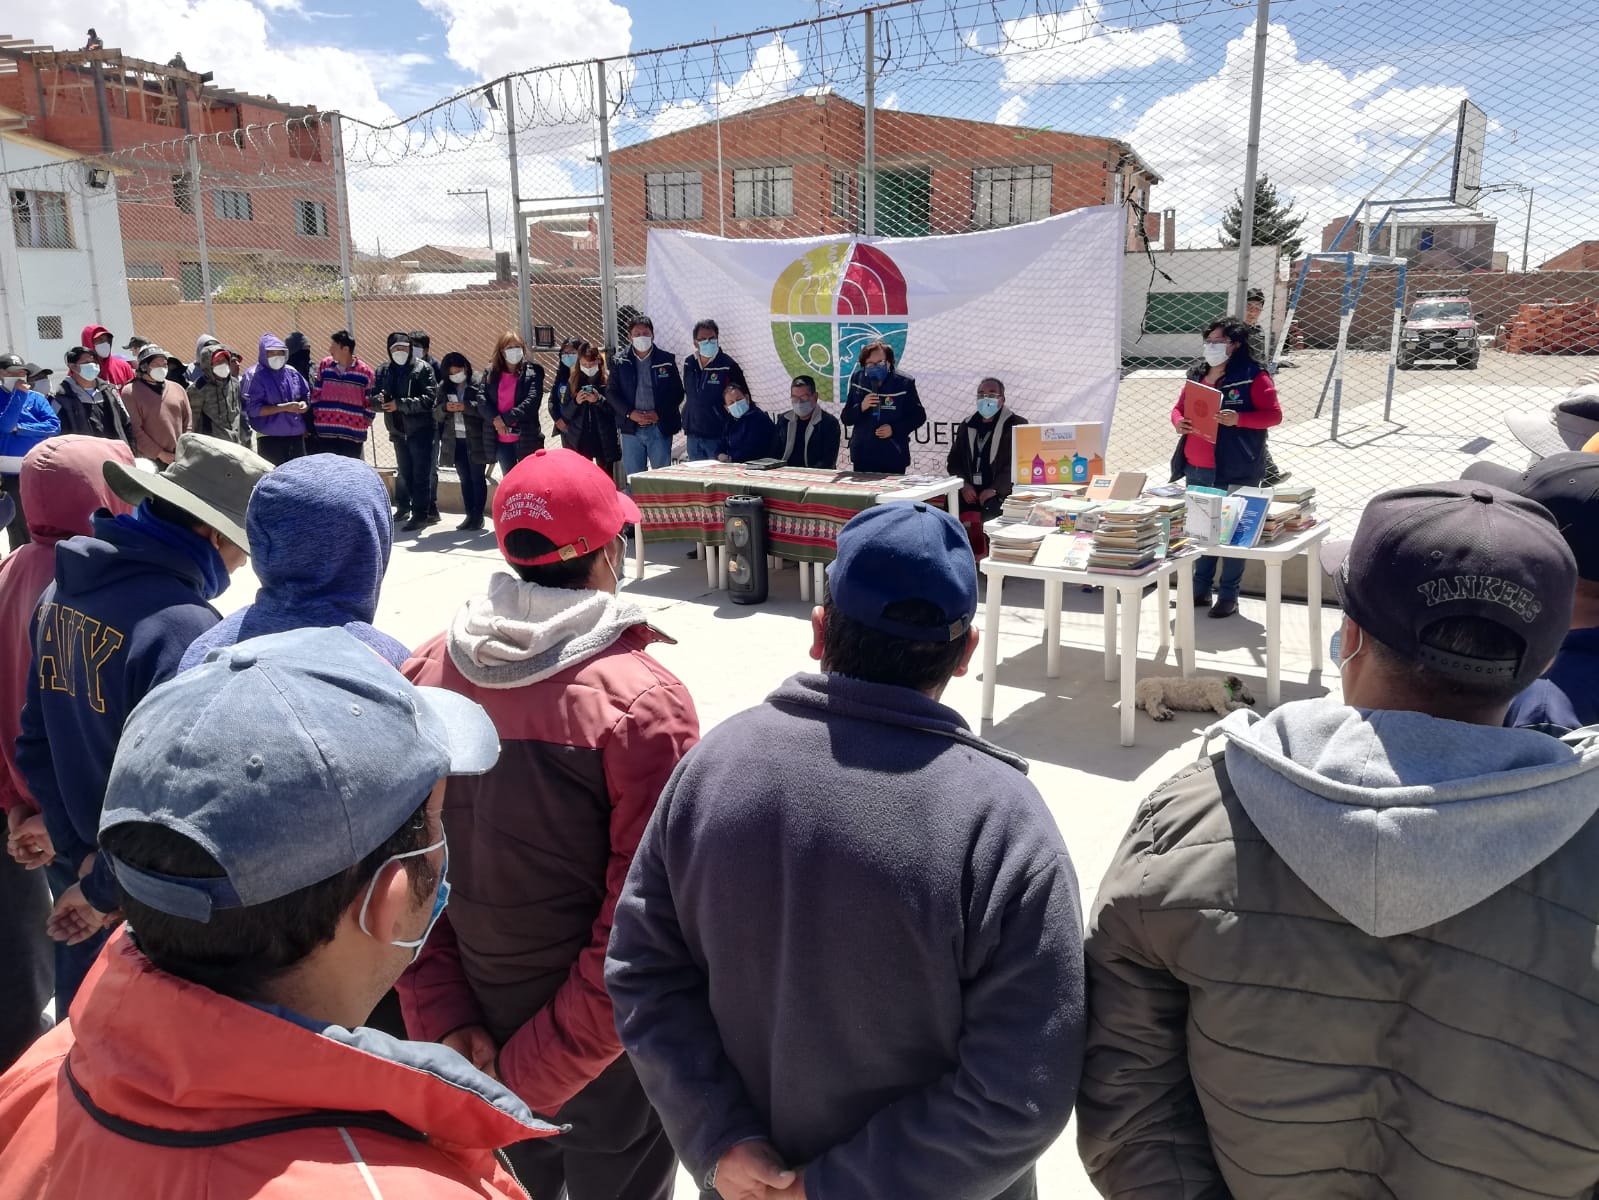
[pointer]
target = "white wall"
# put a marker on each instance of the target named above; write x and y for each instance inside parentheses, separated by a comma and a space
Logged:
(1191, 271)
(84, 285)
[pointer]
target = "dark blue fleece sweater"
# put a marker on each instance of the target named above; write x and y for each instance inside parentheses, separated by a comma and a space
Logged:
(124, 607)
(864, 946)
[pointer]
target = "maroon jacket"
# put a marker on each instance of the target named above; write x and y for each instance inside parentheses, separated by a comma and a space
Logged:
(540, 846)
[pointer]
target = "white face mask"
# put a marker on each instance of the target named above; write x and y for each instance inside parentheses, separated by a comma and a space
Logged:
(642, 344)
(590, 369)
(222, 370)
(616, 567)
(457, 376)
(9, 382)
(441, 896)
(103, 349)
(275, 361)
(400, 357)
(1216, 353)
(158, 374)
(513, 355)
(88, 371)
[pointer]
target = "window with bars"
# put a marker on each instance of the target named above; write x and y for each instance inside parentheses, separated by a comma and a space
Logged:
(846, 204)
(673, 196)
(40, 220)
(763, 191)
(145, 270)
(183, 192)
(311, 218)
(233, 206)
(1010, 195)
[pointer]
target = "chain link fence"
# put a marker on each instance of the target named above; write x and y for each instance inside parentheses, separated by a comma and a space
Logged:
(1426, 225)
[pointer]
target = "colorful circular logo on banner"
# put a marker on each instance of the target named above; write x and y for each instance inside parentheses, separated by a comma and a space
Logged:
(828, 303)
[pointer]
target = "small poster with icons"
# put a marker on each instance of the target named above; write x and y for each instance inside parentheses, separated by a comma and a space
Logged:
(1058, 455)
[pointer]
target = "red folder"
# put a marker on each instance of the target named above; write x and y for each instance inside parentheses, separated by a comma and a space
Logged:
(1200, 405)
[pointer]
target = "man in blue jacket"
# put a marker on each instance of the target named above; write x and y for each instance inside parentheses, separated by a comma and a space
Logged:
(124, 606)
(646, 393)
(1567, 696)
(905, 1014)
(706, 373)
(26, 419)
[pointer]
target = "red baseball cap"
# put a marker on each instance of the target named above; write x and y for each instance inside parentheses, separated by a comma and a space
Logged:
(565, 497)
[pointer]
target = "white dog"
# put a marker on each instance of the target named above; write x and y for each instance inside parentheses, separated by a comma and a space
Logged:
(1159, 697)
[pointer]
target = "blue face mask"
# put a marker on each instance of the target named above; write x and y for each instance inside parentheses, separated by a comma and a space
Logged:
(988, 407)
(569, 361)
(739, 409)
(708, 348)
(440, 898)
(877, 372)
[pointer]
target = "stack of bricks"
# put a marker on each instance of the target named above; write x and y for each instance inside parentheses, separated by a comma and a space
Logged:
(1554, 329)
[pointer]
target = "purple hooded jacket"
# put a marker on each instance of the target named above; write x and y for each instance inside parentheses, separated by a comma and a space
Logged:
(264, 387)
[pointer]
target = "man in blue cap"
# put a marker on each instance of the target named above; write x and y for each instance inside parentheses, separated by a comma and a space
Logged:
(863, 976)
(273, 823)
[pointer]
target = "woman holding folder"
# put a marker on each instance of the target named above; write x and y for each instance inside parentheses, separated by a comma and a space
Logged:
(1222, 414)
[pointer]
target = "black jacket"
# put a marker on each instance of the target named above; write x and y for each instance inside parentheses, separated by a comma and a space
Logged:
(816, 446)
(994, 468)
(105, 416)
(477, 445)
(750, 437)
(623, 383)
(414, 390)
(590, 425)
(524, 414)
(900, 409)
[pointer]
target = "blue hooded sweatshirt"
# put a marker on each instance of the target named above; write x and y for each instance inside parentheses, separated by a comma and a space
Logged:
(297, 513)
(26, 419)
(125, 604)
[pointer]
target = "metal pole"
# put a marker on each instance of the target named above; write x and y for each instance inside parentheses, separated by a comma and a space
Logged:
(869, 167)
(1526, 238)
(524, 295)
(607, 242)
(1393, 344)
(716, 99)
(199, 230)
(341, 202)
(1257, 89)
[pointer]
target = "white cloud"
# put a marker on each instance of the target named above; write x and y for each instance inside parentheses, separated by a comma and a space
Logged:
(1010, 112)
(1326, 136)
(1119, 103)
(771, 76)
(888, 102)
(1050, 48)
(497, 37)
(233, 38)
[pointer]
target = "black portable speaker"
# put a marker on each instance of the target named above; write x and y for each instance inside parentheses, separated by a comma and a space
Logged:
(744, 524)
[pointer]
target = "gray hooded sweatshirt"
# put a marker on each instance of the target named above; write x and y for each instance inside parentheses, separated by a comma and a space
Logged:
(1399, 820)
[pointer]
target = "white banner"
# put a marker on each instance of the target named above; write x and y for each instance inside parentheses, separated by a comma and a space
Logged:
(1037, 305)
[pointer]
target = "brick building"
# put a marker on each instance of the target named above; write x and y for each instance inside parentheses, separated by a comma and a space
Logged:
(1584, 256)
(793, 169)
(266, 176)
(1436, 241)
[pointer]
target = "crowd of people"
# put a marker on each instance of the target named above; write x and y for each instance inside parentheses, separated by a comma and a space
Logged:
(336, 916)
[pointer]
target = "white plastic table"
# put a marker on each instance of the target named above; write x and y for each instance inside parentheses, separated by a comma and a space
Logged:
(1128, 589)
(1274, 555)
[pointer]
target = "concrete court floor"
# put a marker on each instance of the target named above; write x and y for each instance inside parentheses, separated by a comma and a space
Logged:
(731, 656)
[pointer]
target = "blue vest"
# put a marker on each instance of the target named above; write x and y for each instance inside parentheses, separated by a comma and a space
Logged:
(1240, 452)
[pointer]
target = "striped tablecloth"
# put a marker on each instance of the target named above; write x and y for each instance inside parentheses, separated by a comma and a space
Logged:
(805, 508)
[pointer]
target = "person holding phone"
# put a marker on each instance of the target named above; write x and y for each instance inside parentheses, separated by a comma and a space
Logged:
(882, 410)
(1238, 456)
(591, 426)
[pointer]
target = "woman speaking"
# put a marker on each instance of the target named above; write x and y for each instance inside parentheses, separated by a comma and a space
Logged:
(1237, 458)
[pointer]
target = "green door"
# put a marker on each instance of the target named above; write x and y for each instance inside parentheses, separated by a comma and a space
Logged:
(905, 202)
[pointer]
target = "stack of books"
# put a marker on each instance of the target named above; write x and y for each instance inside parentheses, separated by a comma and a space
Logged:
(1303, 498)
(1174, 511)
(1066, 513)
(1018, 506)
(1129, 537)
(1015, 543)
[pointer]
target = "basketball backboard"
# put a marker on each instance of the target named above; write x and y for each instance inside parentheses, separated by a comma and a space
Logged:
(1471, 135)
